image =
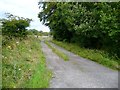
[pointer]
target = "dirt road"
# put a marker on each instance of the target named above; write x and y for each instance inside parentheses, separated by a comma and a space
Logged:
(78, 72)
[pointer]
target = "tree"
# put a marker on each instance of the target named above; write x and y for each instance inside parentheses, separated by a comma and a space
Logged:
(15, 26)
(90, 24)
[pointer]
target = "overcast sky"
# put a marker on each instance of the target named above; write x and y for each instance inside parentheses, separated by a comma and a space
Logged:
(23, 8)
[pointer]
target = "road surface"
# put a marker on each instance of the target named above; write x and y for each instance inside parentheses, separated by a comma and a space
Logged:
(78, 72)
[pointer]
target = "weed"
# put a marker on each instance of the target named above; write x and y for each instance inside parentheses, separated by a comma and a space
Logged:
(22, 62)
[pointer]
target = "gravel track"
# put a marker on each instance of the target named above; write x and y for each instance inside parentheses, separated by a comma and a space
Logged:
(78, 72)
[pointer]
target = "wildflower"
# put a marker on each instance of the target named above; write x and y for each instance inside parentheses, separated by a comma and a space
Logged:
(29, 50)
(9, 47)
(2, 56)
(17, 42)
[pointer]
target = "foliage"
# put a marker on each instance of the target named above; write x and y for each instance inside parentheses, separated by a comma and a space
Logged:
(95, 55)
(0, 61)
(15, 26)
(36, 32)
(22, 62)
(33, 32)
(44, 33)
(90, 24)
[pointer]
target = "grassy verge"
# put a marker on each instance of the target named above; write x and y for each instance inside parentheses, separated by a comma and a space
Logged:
(0, 60)
(23, 65)
(59, 53)
(94, 55)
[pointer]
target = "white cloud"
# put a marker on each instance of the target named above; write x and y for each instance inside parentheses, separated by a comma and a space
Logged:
(23, 8)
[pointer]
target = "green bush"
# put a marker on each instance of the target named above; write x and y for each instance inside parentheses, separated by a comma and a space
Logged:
(15, 26)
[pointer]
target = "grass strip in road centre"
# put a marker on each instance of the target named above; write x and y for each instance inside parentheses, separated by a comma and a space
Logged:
(59, 53)
(92, 54)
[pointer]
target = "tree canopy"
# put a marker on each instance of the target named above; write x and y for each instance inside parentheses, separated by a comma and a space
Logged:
(90, 24)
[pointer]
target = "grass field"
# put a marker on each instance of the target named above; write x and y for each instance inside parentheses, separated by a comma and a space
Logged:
(94, 55)
(24, 65)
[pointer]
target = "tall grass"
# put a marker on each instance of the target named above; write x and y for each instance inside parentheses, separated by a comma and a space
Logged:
(41, 76)
(92, 54)
(0, 60)
(22, 62)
